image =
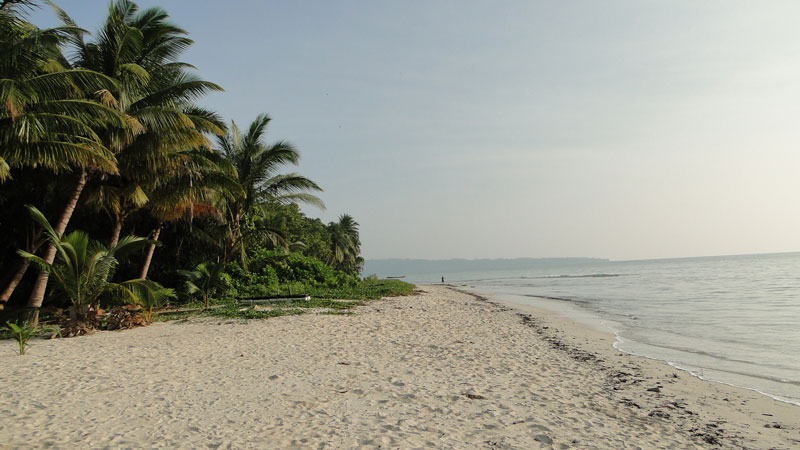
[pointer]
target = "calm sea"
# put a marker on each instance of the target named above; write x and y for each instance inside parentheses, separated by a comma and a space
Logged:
(732, 319)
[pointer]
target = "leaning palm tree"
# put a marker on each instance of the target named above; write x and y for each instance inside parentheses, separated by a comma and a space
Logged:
(46, 117)
(193, 189)
(138, 51)
(257, 165)
(84, 268)
(155, 93)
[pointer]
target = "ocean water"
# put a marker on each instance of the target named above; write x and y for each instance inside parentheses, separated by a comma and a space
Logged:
(732, 319)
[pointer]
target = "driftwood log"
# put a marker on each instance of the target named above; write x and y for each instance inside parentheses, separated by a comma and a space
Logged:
(274, 298)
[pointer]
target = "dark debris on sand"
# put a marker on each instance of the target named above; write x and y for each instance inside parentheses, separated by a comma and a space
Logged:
(624, 384)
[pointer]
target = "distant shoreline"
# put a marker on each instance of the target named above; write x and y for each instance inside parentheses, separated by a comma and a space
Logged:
(410, 267)
(431, 267)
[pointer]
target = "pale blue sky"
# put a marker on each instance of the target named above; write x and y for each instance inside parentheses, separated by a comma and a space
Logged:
(619, 129)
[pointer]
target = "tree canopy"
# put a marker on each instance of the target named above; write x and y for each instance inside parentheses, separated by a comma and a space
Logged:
(103, 137)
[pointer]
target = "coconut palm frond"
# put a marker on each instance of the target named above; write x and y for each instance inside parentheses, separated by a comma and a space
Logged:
(5, 170)
(83, 268)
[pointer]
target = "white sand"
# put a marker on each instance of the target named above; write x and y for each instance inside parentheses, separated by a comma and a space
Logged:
(394, 375)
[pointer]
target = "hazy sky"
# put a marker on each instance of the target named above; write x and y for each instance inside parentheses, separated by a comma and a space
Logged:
(618, 129)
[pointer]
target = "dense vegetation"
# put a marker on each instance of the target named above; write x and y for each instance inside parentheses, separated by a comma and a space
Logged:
(102, 140)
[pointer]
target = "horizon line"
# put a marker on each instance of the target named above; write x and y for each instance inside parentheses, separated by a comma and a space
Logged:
(584, 257)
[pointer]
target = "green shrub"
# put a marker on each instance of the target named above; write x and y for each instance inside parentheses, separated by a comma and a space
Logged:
(305, 269)
(239, 282)
(272, 272)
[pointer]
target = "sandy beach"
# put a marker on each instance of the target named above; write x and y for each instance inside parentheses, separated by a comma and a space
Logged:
(440, 369)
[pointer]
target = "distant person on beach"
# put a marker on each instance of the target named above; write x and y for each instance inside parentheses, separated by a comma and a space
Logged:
(442, 278)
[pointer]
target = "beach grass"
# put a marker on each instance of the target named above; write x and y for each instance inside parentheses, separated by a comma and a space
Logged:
(246, 313)
(331, 301)
(368, 289)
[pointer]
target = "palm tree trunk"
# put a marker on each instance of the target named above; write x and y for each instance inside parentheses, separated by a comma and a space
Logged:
(117, 231)
(33, 246)
(37, 295)
(150, 250)
(235, 236)
(23, 267)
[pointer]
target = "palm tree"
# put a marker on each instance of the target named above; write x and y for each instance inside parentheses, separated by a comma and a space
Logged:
(257, 166)
(193, 190)
(46, 119)
(84, 268)
(345, 244)
(139, 49)
(154, 94)
(203, 279)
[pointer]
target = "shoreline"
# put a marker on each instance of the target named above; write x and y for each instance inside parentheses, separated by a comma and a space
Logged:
(604, 325)
(777, 413)
(676, 366)
(441, 368)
